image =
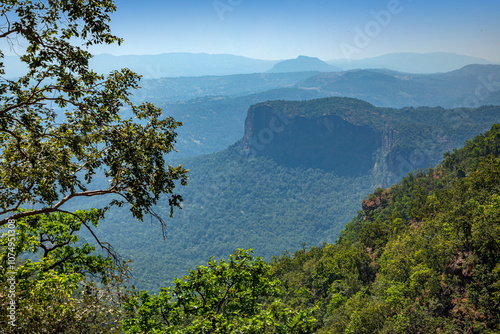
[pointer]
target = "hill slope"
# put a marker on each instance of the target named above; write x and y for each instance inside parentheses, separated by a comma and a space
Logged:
(470, 86)
(423, 256)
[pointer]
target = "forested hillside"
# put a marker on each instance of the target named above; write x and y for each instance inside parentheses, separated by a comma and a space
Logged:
(238, 200)
(423, 256)
(354, 137)
(233, 202)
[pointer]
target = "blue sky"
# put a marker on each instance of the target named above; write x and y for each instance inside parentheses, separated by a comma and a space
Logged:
(319, 28)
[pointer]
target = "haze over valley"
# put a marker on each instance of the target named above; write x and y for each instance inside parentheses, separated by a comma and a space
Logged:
(250, 166)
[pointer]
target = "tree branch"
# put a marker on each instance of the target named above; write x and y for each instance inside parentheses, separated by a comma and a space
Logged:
(104, 245)
(56, 207)
(19, 139)
(9, 32)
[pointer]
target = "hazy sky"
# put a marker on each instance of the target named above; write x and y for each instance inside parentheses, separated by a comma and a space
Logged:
(328, 29)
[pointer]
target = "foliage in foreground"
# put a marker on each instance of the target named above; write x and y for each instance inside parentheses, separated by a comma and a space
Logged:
(236, 296)
(62, 128)
(65, 287)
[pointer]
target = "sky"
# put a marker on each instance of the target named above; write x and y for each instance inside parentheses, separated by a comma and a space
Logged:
(327, 29)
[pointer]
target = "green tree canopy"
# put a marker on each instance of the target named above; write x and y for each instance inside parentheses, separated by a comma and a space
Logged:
(223, 297)
(68, 133)
(62, 123)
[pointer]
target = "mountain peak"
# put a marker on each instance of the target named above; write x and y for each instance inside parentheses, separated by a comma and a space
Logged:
(303, 64)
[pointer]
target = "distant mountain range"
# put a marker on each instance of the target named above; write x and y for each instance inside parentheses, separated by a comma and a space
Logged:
(411, 62)
(470, 86)
(183, 64)
(381, 87)
(201, 64)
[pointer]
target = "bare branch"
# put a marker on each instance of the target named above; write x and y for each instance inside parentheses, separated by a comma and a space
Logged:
(104, 245)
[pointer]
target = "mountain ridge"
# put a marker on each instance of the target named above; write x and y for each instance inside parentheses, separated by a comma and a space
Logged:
(357, 137)
(409, 62)
(185, 64)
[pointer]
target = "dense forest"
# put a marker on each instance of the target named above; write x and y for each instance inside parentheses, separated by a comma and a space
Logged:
(423, 256)
(234, 200)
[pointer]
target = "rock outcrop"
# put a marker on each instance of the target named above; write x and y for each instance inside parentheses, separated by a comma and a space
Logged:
(352, 137)
(326, 142)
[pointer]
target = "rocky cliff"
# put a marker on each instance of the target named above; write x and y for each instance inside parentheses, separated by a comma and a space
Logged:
(325, 141)
(351, 137)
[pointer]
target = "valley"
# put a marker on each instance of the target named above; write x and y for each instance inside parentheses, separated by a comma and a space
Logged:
(296, 177)
(212, 123)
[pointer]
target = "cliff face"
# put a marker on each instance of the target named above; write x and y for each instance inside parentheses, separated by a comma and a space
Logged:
(327, 142)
